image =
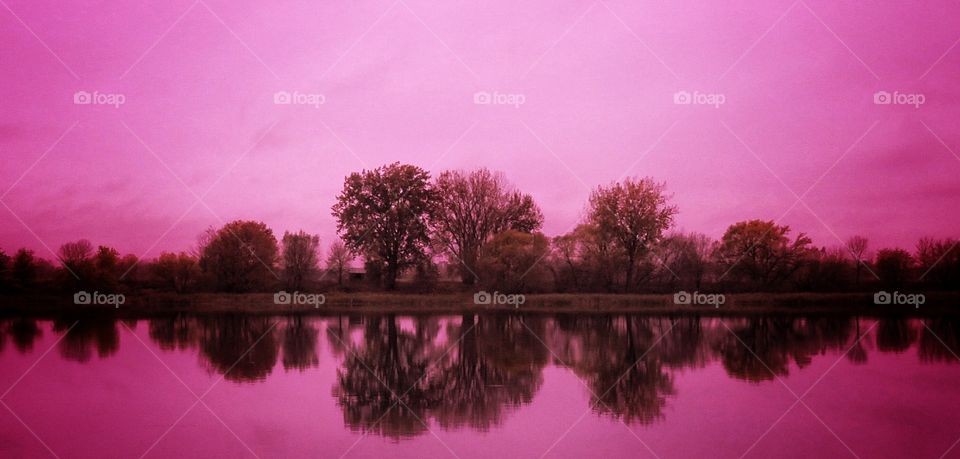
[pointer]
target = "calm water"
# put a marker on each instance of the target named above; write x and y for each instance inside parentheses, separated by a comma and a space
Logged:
(479, 386)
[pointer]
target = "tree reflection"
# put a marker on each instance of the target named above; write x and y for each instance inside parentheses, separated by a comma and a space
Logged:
(24, 332)
(241, 348)
(85, 336)
(940, 340)
(895, 334)
(299, 345)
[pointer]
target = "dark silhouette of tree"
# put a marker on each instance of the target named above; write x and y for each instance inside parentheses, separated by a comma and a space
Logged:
(511, 261)
(239, 256)
(24, 270)
(5, 271)
(300, 253)
(858, 248)
(632, 214)
(299, 345)
(177, 272)
(687, 256)
(939, 262)
(893, 267)
(760, 252)
(384, 212)
(76, 260)
(858, 351)
(477, 205)
(338, 259)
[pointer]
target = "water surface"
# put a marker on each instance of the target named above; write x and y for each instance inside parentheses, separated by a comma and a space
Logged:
(496, 385)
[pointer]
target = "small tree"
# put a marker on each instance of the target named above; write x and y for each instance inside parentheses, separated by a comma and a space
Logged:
(239, 256)
(632, 214)
(511, 261)
(760, 252)
(893, 267)
(475, 206)
(338, 257)
(858, 248)
(177, 271)
(24, 269)
(299, 258)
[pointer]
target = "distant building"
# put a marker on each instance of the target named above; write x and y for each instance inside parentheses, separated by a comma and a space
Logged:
(356, 274)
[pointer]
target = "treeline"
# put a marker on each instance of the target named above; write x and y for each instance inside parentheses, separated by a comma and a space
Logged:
(473, 228)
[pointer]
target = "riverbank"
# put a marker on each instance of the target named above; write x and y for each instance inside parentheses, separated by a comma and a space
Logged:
(936, 303)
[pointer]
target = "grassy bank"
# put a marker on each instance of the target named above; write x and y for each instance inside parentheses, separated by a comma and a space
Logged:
(456, 303)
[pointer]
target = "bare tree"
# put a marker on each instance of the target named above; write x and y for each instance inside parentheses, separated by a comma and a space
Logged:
(858, 248)
(337, 259)
(475, 206)
(299, 258)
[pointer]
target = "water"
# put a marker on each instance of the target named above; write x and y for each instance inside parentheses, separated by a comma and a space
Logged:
(479, 386)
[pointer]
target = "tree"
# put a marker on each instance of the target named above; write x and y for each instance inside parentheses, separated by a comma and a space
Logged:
(5, 270)
(939, 261)
(633, 214)
(384, 212)
(177, 271)
(511, 261)
(687, 257)
(760, 251)
(239, 256)
(476, 205)
(858, 248)
(338, 257)
(299, 258)
(893, 266)
(106, 262)
(24, 269)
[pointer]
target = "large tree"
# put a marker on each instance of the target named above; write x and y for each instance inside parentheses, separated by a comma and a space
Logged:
(761, 252)
(239, 256)
(477, 205)
(383, 213)
(633, 214)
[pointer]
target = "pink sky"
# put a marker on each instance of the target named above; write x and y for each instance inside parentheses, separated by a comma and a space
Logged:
(398, 80)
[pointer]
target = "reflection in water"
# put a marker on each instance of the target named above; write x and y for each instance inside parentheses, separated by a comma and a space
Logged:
(397, 374)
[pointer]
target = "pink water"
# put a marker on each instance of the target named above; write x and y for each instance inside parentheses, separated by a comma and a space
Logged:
(479, 386)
